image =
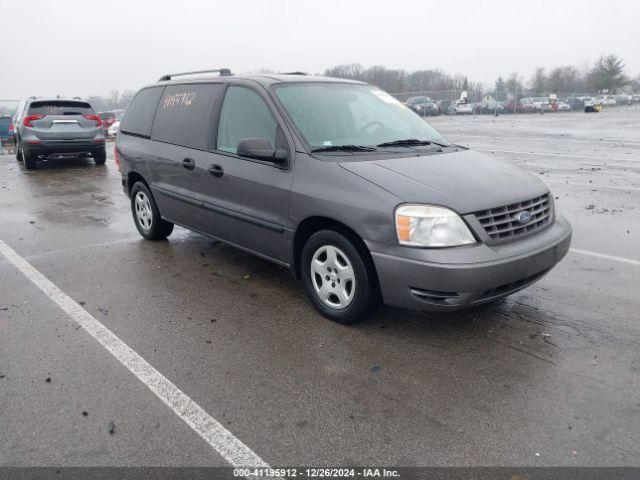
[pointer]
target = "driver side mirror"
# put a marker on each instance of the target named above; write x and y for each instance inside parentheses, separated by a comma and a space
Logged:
(261, 149)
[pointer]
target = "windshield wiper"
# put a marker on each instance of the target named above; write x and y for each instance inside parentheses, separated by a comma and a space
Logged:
(344, 148)
(410, 142)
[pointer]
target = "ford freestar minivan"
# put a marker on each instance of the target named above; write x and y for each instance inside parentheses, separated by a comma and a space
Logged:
(339, 182)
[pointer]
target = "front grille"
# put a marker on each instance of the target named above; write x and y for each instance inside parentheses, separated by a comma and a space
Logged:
(501, 223)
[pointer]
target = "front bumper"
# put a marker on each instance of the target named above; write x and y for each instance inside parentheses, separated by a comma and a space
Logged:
(437, 282)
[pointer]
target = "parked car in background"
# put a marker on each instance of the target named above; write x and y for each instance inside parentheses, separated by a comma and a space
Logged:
(113, 129)
(489, 106)
(422, 106)
(541, 104)
(462, 108)
(623, 99)
(563, 106)
(6, 131)
(519, 107)
(59, 127)
(17, 116)
(576, 103)
(606, 100)
(444, 107)
(108, 118)
(591, 105)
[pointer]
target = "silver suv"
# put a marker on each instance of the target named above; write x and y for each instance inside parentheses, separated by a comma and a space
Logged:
(48, 128)
(339, 182)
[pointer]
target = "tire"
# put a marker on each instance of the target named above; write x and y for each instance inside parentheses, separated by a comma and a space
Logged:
(100, 157)
(29, 160)
(349, 293)
(18, 152)
(146, 216)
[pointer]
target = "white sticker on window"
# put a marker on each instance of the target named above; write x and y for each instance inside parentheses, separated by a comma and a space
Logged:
(327, 143)
(385, 96)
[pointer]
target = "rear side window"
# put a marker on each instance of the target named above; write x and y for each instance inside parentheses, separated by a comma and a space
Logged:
(60, 107)
(139, 115)
(184, 115)
(244, 115)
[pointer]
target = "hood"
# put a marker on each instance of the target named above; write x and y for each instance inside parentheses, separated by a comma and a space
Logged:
(465, 181)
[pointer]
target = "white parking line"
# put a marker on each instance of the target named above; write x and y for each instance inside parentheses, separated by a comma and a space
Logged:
(567, 155)
(544, 140)
(82, 247)
(606, 257)
(219, 438)
(591, 185)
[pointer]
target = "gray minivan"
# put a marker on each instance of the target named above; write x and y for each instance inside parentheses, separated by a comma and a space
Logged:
(339, 182)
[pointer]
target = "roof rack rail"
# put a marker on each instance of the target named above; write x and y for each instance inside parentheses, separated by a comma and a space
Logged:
(293, 73)
(224, 72)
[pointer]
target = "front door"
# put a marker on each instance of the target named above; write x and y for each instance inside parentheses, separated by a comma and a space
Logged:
(248, 198)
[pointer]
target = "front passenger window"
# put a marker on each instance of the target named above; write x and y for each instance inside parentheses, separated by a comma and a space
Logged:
(244, 115)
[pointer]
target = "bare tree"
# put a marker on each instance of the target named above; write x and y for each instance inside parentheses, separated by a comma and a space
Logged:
(514, 85)
(538, 81)
(565, 79)
(352, 71)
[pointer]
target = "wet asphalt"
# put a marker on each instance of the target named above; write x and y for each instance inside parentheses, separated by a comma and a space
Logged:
(551, 376)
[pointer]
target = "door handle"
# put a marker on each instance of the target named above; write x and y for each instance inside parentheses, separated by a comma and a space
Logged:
(189, 163)
(216, 170)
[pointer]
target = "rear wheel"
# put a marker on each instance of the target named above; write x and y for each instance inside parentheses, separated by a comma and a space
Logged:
(29, 160)
(146, 216)
(339, 280)
(100, 157)
(18, 152)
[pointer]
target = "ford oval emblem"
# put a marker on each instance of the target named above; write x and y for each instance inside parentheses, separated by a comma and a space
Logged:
(523, 217)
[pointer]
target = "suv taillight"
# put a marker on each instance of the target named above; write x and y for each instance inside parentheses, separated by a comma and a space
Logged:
(30, 118)
(95, 118)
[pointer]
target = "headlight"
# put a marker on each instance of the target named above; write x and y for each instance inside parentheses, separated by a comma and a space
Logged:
(430, 226)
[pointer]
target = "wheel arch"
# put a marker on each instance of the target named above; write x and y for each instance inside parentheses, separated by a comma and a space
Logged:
(311, 225)
(132, 178)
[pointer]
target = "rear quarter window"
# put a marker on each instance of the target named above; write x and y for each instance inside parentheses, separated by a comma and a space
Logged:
(58, 107)
(184, 115)
(138, 118)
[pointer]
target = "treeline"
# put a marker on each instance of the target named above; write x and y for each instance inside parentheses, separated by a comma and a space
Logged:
(607, 73)
(115, 101)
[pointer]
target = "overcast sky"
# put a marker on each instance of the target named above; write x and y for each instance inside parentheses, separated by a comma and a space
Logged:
(82, 47)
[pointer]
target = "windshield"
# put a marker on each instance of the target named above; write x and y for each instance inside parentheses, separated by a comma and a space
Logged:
(334, 114)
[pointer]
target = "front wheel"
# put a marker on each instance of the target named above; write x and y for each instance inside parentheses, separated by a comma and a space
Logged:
(339, 280)
(146, 216)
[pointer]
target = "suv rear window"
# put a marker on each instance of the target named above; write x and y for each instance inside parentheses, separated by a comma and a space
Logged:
(60, 107)
(5, 122)
(139, 115)
(184, 115)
